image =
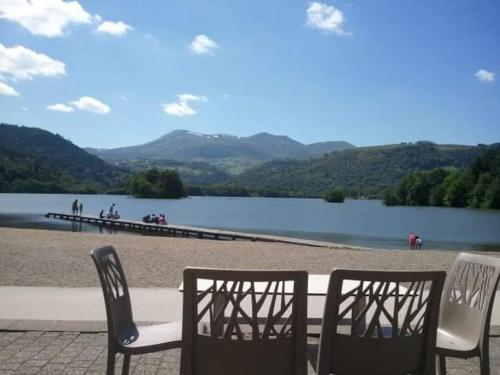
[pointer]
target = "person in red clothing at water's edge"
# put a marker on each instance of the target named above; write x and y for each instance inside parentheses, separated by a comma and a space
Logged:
(412, 240)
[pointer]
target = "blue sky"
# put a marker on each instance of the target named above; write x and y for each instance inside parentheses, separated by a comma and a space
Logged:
(116, 73)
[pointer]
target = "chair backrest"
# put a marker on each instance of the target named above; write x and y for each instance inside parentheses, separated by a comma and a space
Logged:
(380, 322)
(468, 297)
(121, 327)
(244, 322)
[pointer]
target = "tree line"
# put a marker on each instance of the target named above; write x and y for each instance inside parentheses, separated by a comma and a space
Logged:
(477, 186)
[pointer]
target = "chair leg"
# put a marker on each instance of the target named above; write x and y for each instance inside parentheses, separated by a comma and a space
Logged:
(111, 362)
(126, 364)
(442, 365)
(485, 364)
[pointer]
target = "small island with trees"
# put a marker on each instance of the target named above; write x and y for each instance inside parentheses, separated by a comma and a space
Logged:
(334, 195)
(155, 183)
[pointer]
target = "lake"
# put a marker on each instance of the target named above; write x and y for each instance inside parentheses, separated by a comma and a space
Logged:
(355, 222)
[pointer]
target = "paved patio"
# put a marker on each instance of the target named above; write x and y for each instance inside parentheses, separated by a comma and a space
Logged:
(37, 338)
(76, 353)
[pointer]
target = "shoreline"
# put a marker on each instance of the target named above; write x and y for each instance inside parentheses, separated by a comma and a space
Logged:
(279, 236)
(31, 257)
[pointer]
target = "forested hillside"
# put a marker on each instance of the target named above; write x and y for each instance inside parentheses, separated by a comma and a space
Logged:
(364, 171)
(35, 160)
(477, 186)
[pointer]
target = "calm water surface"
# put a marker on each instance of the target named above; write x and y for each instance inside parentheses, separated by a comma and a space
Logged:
(356, 222)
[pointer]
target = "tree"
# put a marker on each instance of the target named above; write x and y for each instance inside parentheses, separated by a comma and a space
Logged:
(479, 192)
(419, 189)
(391, 198)
(437, 176)
(334, 195)
(140, 187)
(157, 184)
(436, 196)
(458, 190)
(492, 195)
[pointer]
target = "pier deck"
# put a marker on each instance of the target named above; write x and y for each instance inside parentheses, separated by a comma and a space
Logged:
(185, 231)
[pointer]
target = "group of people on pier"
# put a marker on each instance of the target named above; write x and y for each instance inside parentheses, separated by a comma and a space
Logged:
(111, 214)
(77, 209)
(156, 219)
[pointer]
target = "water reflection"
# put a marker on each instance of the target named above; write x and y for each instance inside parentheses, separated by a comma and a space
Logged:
(107, 229)
(76, 226)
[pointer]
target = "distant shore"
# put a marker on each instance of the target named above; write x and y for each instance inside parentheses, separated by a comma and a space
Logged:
(31, 257)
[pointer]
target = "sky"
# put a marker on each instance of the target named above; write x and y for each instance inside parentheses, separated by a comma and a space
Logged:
(117, 73)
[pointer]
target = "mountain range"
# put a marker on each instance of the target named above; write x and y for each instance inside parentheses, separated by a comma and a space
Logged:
(35, 160)
(220, 149)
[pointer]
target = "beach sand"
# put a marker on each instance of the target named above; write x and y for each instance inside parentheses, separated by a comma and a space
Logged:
(30, 257)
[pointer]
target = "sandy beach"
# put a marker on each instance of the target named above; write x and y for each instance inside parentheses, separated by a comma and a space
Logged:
(61, 259)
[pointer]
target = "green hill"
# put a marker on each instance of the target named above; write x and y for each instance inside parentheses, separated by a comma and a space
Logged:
(35, 160)
(366, 171)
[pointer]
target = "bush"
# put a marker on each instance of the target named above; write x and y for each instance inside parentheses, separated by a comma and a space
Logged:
(334, 195)
(391, 198)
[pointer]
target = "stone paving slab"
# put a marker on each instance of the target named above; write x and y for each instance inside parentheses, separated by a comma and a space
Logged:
(76, 353)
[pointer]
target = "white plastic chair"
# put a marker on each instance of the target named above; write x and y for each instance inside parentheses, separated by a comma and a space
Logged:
(466, 306)
(123, 334)
(392, 324)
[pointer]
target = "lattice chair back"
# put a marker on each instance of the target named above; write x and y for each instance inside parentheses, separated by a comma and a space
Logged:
(379, 322)
(121, 327)
(468, 297)
(244, 322)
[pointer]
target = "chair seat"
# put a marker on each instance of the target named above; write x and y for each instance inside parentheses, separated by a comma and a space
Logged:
(448, 343)
(153, 338)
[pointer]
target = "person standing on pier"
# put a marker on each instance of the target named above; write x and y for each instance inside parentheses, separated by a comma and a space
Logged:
(81, 208)
(74, 207)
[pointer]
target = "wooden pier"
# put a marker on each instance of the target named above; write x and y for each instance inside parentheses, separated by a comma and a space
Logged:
(185, 231)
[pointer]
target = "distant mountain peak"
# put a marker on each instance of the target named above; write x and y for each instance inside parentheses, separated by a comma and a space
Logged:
(189, 145)
(186, 132)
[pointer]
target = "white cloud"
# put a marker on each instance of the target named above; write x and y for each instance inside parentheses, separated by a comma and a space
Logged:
(180, 107)
(113, 28)
(191, 97)
(485, 76)
(202, 44)
(25, 109)
(326, 18)
(7, 90)
(23, 63)
(60, 108)
(44, 17)
(87, 103)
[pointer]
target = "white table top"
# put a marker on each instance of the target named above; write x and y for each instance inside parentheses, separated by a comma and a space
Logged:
(317, 285)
